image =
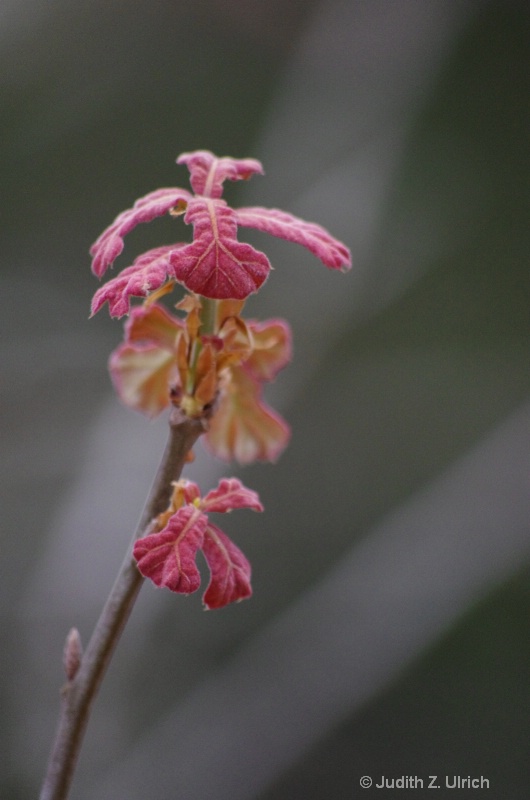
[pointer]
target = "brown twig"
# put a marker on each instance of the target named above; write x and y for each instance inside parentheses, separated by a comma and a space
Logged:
(79, 692)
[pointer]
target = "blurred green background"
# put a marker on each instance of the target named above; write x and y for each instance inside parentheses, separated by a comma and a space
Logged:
(388, 632)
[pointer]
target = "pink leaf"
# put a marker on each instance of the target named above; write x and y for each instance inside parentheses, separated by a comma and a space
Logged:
(168, 557)
(154, 325)
(110, 244)
(329, 250)
(142, 375)
(244, 427)
(144, 366)
(231, 494)
(215, 264)
(147, 273)
(190, 491)
(271, 349)
(230, 570)
(207, 172)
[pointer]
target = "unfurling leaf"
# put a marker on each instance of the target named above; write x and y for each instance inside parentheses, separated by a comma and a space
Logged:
(231, 494)
(207, 172)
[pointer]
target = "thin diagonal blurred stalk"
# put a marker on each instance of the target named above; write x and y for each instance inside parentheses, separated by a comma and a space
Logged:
(79, 692)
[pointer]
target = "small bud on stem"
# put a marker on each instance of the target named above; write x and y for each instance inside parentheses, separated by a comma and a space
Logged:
(72, 653)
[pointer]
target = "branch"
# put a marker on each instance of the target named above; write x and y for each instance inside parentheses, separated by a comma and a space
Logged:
(79, 692)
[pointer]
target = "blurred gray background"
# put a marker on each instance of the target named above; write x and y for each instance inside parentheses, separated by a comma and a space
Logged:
(388, 632)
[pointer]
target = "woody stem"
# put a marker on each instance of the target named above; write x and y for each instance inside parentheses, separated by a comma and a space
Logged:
(78, 694)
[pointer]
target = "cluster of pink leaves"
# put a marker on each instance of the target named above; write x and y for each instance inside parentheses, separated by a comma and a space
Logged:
(168, 557)
(150, 361)
(244, 427)
(215, 264)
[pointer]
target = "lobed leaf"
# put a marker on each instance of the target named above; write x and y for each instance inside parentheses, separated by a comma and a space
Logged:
(168, 557)
(230, 571)
(208, 172)
(315, 238)
(231, 494)
(110, 244)
(215, 264)
(147, 273)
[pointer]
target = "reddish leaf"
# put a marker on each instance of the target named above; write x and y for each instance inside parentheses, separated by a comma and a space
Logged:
(207, 172)
(147, 273)
(168, 557)
(243, 427)
(110, 244)
(329, 250)
(231, 494)
(190, 491)
(215, 264)
(230, 570)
